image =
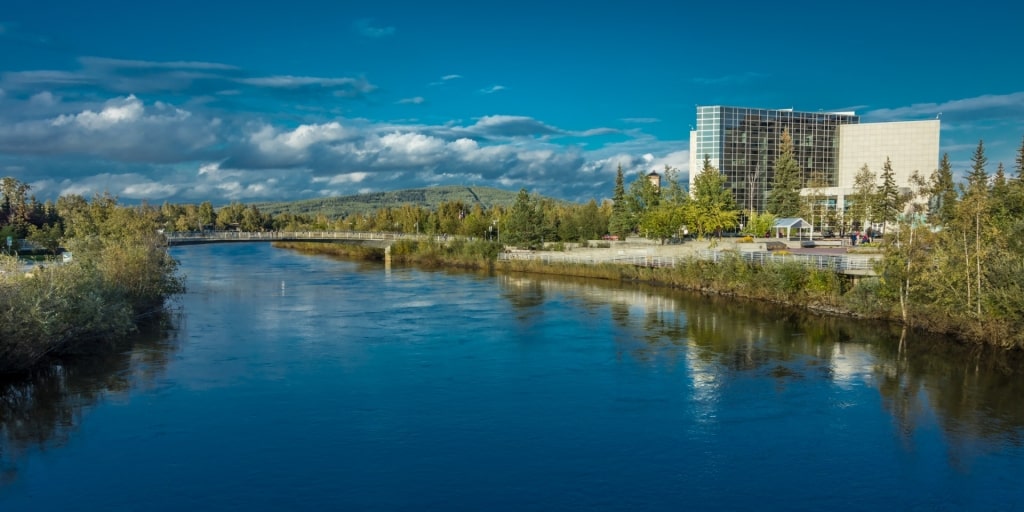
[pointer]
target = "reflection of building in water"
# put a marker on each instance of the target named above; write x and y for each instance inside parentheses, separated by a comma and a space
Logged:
(852, 364)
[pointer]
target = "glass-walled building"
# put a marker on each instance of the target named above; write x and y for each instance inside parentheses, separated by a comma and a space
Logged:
(743, 143)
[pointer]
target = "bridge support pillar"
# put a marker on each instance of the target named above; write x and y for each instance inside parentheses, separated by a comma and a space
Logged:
(387, 255)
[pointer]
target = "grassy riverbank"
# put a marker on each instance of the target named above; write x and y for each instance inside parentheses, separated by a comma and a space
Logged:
(788, 283)
(119, 276)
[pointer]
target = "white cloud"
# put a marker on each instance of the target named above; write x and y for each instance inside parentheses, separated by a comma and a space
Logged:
(116, 111)
(984, 107)
(104, 62)
(417, 100)
(492, 89)
(365, 27)
(43, 99)
(445, 79)
(148, 190)
(511, 126)
(342, 179)
(153, 150)
(410, 148)
(289, 82)
(641, 120)
(307, 135)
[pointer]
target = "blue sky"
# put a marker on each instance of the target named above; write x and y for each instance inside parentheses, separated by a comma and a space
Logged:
(191, 101)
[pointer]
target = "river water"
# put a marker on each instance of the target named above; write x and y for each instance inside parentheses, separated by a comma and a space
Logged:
(294, 382)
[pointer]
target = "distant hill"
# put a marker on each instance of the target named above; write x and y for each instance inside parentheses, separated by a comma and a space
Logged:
(364, 203)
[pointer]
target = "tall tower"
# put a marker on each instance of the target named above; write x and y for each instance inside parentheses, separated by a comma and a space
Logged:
(655, 179)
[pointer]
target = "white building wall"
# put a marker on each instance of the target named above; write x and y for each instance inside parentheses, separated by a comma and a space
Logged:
(693, 159)
(909, 145)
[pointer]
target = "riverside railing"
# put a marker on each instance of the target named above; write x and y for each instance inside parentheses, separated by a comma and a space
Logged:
(857, 264)
(180, 237)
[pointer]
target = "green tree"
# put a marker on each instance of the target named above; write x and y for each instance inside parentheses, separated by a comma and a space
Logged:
(862, 198)
(641, 197)
(942, 192)
(48, 237)
(663, 221)
(619, 222)
(978, 177)
(522, 226)
(712, 207)
(972, 226)
(15, 210)
(888, 201)
(760, 224)
(252, 220)
(666, 218)
(906, 255)
(1018, 162)
(784, 196)
(206, 215)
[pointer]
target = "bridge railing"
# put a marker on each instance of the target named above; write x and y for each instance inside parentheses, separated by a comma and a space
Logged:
(237, 236)
(839, 263)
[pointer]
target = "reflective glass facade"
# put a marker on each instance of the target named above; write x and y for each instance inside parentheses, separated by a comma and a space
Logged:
(744, 142)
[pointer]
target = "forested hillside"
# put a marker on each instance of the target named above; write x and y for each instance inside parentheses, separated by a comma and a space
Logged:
(431, 198)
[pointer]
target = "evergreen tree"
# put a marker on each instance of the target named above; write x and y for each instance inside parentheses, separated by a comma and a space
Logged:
(1019, 162)
(618, 223)
(978, 178)
(978, 234)
(784, 197)
(942, 191)
(522, 226)
(1004, 211)
(888, 203)
(712, 207)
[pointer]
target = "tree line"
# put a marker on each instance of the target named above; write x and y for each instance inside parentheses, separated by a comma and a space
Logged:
(120, 273)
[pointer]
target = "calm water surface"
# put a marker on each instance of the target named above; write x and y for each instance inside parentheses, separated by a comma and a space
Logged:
(292, 382)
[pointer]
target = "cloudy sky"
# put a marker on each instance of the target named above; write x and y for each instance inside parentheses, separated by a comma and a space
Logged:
(190, 101)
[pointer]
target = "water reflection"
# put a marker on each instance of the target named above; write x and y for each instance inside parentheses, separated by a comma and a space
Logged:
(44, 409)
(973, 391)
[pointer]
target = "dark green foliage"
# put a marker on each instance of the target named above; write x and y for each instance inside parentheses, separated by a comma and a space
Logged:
(784, 196)
(523, 225)
(121, 271)
(712, 207)
(888, 203)
(978, 177)
(942, 202)
(619, 224)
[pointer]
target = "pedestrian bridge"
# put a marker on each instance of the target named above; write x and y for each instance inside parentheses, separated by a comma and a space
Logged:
(374, 239)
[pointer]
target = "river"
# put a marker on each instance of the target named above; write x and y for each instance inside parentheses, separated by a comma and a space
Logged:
(284, 381)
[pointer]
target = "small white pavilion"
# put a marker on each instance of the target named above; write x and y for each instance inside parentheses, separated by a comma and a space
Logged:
(786, 227)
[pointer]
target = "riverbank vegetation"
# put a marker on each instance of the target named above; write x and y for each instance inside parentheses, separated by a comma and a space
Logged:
(118, 273)
(951, 256)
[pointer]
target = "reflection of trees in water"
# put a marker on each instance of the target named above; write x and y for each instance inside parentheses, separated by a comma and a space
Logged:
(44, 408)
(525, 295)
(975, 390)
